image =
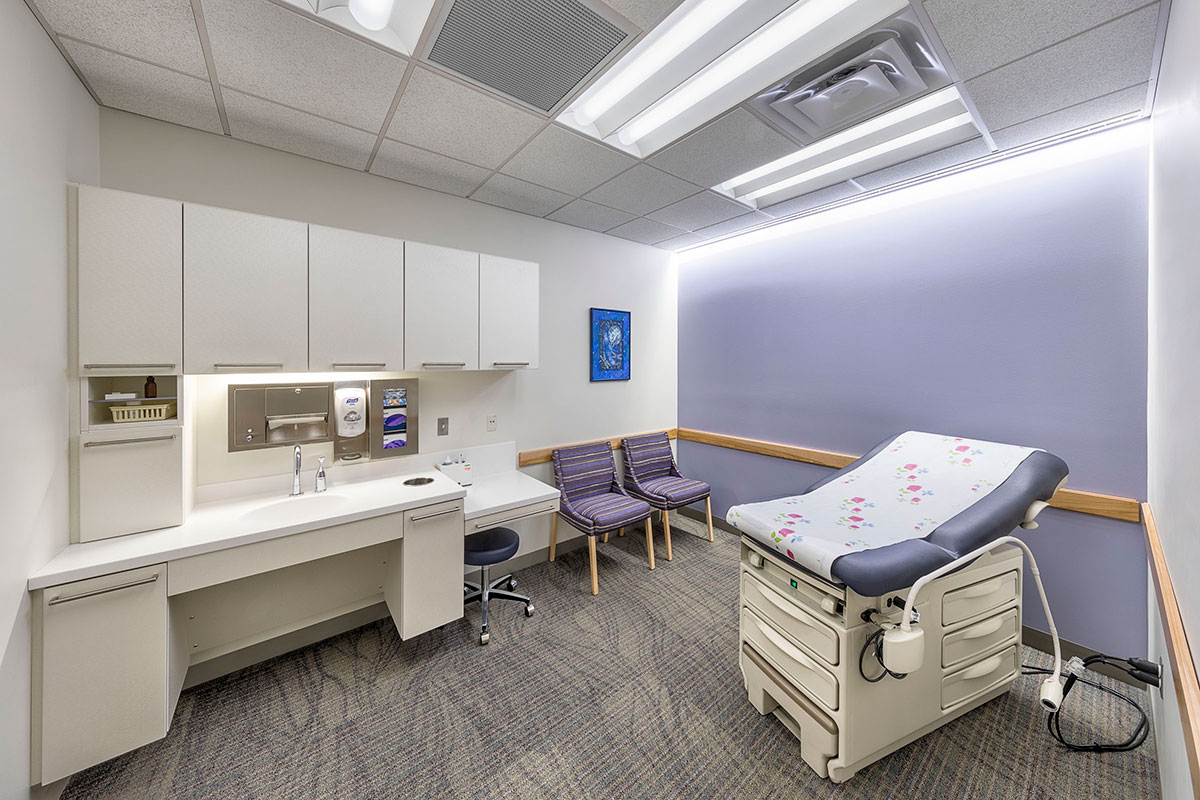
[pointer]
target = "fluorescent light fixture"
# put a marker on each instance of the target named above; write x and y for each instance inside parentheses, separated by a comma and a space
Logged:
(372, 14)
(747, 54)
(882, 122)
(899, 142)
(681, 35)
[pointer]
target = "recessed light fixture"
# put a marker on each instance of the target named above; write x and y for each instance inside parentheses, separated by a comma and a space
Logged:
(372, 14)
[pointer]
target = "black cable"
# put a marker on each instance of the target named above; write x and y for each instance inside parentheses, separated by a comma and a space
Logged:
(1054, 721)
(876, 640)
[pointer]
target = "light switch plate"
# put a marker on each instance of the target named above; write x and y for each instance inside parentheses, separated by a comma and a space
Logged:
(443, 426)
(491, 423)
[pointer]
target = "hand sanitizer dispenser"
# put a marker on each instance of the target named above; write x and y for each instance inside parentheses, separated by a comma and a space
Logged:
(350, 422)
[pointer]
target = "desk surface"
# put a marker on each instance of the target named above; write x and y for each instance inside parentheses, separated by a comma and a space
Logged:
(224, 524)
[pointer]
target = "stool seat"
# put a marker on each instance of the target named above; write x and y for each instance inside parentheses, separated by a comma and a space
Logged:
(490, 547)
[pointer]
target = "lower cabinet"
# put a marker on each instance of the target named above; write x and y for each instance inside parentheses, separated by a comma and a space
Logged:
(425, 585)
(101, 671)
(129, 481)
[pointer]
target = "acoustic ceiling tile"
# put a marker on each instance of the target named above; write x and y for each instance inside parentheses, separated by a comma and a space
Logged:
(506, 192)
(1104, 60)
(131, 85)
(830, 194)
(734, 225)
(643, 13)
(266, 50)
(641, 190)
(984, 34)
(736, 143)
(566, 161)
(410, 164)
(679, 242)
(160, 31)
(923, 165)
(442, 115)
(646, 231)
(585, 214)
(293, 131)
(1103, 108)
(699, 211)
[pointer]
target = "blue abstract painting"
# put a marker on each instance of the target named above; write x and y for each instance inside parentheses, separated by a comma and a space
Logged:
(610, 345)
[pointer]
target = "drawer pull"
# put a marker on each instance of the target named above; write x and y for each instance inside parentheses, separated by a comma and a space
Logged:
(510, 363)
(129, 585)
(785, 607)
(520, 516)
(435, 514)
(982, 589)
(981, 669)
(785, 646)
(129, 366)
(984, 629)
(129, 441)
(443, 363)
(363, 365)
(249, 366)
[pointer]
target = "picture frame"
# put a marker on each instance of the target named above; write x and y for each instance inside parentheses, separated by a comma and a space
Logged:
(609, 331)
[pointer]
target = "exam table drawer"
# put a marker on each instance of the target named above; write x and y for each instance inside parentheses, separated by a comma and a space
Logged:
(963, 645)
(800, 668)
(978, 598)
(511, 515)
(979, 677)
(787, 616)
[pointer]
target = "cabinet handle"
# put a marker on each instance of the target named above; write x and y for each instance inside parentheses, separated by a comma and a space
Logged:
(353, 365)
(129, 366)
(443, 363)
(520, 516)
(436, 514)
(786, 647)
(510, 363)
(129, 585)
(129, 441)
(786, 607)
(252, 366)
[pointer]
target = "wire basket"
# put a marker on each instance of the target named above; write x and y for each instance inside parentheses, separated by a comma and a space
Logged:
(147, 412)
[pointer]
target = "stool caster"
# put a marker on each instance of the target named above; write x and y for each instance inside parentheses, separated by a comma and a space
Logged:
(529, 610)
(483, 637)
(512, 584)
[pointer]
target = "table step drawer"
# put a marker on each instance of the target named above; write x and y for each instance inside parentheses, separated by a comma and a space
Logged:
(786, 615)
(974, 640)
(958, 687)
(979, 598)
(799, 667)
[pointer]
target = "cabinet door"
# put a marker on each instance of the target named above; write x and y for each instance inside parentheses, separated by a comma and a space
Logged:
(508, 313)
(103, 669)
(355, 301)
(245, 292)
(129, 481)
(441, 304)
(130, 256)
(431, 569)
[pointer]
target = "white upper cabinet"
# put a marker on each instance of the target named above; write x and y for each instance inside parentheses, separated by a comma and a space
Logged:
(130, 258)
(508, 313)
(355, 301)
(245, 292)
(441, 294)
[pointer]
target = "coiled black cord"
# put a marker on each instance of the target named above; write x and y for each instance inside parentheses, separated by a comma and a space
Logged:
(875, 640)
(1141, 731)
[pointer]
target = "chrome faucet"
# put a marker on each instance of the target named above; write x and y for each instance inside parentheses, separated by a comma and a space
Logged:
(321, 474)
(296, 490)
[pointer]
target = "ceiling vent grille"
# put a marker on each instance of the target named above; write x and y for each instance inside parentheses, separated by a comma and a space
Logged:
(535, 51)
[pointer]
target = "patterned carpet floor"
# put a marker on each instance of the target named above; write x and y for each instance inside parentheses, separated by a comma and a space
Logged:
(635, 693)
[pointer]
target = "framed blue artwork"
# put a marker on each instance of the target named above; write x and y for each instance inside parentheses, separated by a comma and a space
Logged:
(610, 345)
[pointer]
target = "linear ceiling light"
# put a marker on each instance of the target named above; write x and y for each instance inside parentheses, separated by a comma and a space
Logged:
(680, 35)
(929, 132)
(946, 98)
(747, 54)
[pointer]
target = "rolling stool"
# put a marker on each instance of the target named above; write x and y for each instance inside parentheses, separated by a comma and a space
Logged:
(484, 549)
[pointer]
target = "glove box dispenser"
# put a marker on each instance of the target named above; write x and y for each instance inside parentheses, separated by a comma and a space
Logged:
(375, 419)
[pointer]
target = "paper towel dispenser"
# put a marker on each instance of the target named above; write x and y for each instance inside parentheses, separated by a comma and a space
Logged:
(277, 415)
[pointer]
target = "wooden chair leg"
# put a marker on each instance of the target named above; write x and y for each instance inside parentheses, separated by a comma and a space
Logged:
(553, 534)
(650, 542)
(605, 539)
(708, 511)
(592, 559)
(620, 532)
(667, 532)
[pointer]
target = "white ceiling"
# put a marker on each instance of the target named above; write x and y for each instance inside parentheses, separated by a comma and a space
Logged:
(261, 71)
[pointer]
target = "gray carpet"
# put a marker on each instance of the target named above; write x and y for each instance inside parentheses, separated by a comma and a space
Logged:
(632, 694)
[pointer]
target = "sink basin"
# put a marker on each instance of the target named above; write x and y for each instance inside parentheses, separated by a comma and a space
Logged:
(305, 506)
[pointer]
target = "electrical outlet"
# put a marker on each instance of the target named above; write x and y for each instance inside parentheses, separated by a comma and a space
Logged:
(443, 426)
(491, 423)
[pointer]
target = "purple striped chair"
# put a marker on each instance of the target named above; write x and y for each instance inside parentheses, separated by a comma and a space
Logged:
(651, 475)
(592, 500)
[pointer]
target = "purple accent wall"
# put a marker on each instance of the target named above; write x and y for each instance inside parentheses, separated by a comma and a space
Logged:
(1003, 309)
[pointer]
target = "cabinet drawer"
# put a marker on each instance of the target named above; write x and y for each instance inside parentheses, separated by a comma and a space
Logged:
(800, 668)
(978, 598)
(979, 638)
(129, 481)
(979, 677)
(511, 515)
(788, 617)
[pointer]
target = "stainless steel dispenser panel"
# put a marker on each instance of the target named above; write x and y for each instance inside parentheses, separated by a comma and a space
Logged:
(277, 415)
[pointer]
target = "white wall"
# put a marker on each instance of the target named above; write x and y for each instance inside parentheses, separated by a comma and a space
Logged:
(48, 136)
(555, 404)
(1173, 400)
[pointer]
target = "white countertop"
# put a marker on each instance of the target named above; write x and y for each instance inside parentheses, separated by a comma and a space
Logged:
(227, 523)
